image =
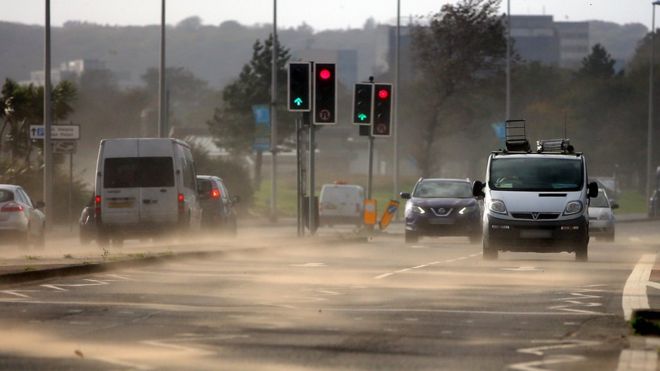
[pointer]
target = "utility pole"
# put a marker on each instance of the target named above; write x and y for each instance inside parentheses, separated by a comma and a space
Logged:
(48, 149)
(273, 119)
(395, 128)
(162, 103)
(508, 59)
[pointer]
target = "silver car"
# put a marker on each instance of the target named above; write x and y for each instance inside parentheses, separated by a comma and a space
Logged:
(20, 219)
(601, 218)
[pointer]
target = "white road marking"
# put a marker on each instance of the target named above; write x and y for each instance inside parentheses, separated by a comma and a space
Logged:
(466, 311)
(539, 365)
(92, 282)
(18, 293)
(634, 292)
(308, 265)
(523, 269)
(554, 359)
(385, 275)
(635, 239)
(577, 299)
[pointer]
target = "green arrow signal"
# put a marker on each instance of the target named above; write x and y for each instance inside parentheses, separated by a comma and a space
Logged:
(362, 116)
(298, 101)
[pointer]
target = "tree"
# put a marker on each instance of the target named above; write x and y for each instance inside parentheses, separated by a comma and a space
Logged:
(232, 124)
(598, 64)
(462, 47)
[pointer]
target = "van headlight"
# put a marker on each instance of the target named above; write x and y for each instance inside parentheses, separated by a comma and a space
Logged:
(573, 207)
(497, 206)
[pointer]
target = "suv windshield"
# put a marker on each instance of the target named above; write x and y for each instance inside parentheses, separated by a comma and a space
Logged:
(442, 189)
(132, 172)
(536, 174)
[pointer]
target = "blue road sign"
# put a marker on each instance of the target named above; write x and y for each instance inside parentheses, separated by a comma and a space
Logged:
(500, 130)
(262, 127)
(261, 114)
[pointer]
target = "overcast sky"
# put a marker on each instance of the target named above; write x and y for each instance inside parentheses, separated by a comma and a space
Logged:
(320, 14)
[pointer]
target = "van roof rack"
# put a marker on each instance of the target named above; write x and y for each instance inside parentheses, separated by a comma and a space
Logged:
(562, 145)
(516, 136)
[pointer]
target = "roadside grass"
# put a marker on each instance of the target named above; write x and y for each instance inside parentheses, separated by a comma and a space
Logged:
(631, 202)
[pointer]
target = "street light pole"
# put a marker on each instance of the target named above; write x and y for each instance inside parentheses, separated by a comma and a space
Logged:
(508, 59)
(273, 119)
(395, 129)
(48, 150)
(649, 134)
(162, 102)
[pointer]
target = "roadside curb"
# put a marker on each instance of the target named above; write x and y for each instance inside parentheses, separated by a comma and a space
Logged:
(101, 266)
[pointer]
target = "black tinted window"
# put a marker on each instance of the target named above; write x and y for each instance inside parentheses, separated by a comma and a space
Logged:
(442, 189)
(204, 185)
(6, 195)
(536, 174)
(131, 172)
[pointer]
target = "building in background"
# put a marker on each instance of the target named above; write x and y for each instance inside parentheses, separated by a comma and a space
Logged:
(71, 70)
(573, 43)
(535, 38)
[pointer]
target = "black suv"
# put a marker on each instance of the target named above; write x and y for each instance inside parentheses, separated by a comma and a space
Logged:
(217, 206)
(442, 207)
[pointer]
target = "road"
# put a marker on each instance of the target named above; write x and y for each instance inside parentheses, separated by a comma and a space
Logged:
(298, 304)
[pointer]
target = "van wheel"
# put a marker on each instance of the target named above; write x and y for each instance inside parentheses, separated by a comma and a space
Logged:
(581, 250)
(489, 248)
(411, 236)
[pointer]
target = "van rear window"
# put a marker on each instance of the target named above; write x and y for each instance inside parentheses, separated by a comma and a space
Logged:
(133, 172)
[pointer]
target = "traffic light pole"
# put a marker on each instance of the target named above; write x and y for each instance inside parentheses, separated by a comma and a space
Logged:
(311, 212)
(370, 175)
(48, 149)
(299, 178)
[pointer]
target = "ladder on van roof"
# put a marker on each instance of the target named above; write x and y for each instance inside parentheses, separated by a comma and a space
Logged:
(516, 136)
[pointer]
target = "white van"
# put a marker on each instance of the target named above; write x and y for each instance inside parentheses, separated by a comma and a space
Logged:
(341, 204)
(144, 186)
(536, 201)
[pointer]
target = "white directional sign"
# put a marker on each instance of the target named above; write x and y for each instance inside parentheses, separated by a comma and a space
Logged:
(57, 132)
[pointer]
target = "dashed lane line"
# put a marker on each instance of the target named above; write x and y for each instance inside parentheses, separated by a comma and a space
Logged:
(385, 275)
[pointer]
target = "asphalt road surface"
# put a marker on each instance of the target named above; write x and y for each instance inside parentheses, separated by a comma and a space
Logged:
(300, 305)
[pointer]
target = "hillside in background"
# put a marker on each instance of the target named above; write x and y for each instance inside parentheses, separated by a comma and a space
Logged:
(213, 53)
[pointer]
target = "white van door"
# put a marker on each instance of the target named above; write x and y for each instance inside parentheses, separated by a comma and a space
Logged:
(158, 188)
(120, 192)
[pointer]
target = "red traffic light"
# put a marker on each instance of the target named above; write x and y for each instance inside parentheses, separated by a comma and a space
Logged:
(383, 93)
(325, 74)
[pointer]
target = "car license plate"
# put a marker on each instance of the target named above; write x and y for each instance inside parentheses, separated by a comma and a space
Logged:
(535, 233)
(441, 221)
(120, 204)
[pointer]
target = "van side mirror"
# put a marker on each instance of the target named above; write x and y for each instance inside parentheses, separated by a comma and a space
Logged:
(478, 189)
(592, 190)
(404, 195)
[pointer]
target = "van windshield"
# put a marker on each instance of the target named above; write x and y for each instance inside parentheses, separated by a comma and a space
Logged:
(536, 174)
(133, 172)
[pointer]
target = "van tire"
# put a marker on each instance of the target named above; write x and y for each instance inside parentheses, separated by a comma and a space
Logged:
(411, 236)
(582, 250)
(489, 248)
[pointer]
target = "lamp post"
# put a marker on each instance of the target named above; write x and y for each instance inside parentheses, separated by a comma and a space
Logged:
(508, 60)
(162, 102)
(395, 126)
(649, 134)
(273, 119)
(48, 149)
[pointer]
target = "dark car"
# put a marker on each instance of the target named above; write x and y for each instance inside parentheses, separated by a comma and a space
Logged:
(442, 207)
(218, 210)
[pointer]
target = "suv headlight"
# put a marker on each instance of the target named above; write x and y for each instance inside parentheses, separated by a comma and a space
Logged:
(468, 209)
(411, 208)
(497, 206)
(418, 210)
(573, 207)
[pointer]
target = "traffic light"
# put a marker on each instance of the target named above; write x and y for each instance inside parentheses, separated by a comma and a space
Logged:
(298, 93)
(382, 125)
(325, 93)
(362, 98)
